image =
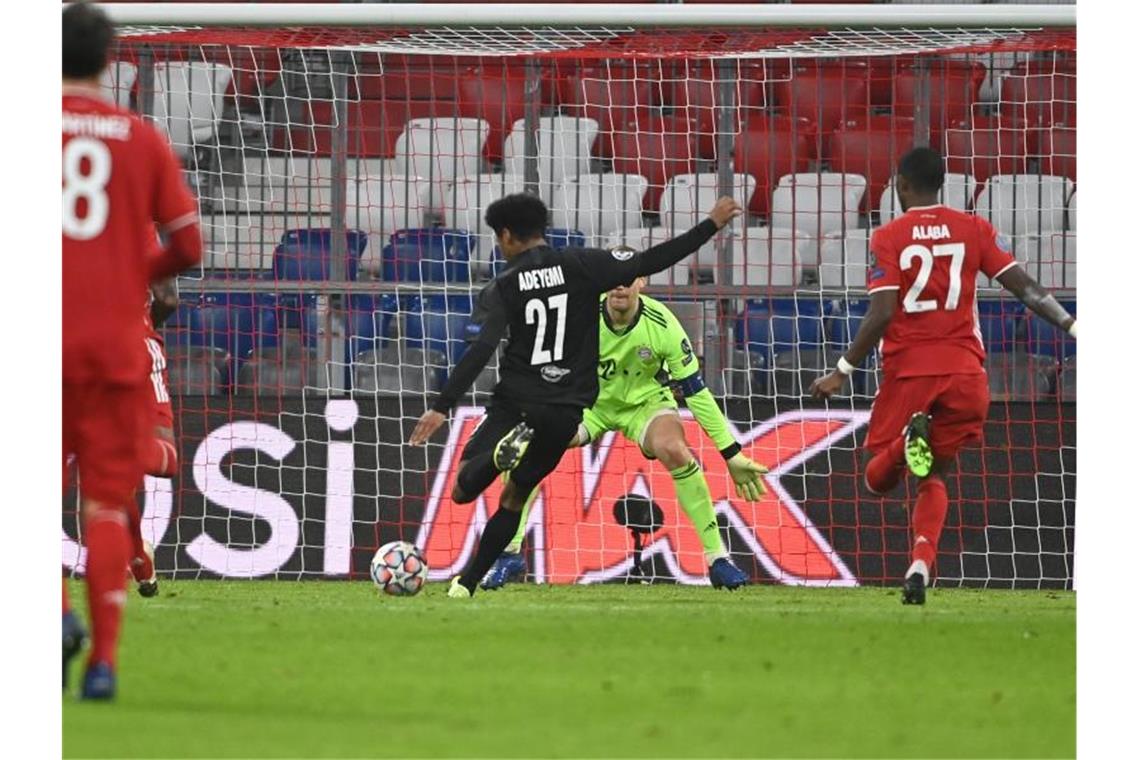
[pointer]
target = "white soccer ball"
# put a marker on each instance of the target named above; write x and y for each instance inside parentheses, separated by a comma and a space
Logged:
(399, 569)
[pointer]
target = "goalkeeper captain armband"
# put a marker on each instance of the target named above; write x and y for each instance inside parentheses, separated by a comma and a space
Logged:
(691, 385)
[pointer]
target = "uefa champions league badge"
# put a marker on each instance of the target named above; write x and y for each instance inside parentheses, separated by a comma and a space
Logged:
(1003, 244)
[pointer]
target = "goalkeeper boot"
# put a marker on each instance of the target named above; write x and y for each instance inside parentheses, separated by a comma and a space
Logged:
(73, 638)
(914, 589)
(511, 447)
(919, 455)
(142, 570)
(457, 590)
(724, 574)
(508, 567)
(99, 681)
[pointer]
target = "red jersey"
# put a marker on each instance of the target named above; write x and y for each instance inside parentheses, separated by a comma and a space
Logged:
(159, 381)
(932, 255)
(120, 179)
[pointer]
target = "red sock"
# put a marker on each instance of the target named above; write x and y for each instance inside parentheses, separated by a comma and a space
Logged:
(108, 548)
(134, 524)
(929, 516)
(160, 458)
(66, 598)
(886, 467)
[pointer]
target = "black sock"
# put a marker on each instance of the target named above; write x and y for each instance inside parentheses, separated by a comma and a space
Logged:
(478, 474)
(501, 528)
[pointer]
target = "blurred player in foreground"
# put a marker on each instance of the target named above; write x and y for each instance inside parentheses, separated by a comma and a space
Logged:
(642, 348)
(934, 395)
(545, 302)
(120, 180)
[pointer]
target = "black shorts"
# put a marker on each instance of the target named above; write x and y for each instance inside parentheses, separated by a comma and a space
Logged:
(554, 429)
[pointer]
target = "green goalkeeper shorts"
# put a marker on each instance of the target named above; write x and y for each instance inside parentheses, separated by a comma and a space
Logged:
(633, 422)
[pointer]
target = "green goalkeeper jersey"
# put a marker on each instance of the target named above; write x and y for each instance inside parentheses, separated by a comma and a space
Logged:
(634, 362)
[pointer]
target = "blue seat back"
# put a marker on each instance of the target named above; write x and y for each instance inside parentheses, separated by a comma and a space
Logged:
(428, 255)
(796, 322)
(1002, 325)
(557, 237)
(307, 254)
(1046, 340)
(439, 323)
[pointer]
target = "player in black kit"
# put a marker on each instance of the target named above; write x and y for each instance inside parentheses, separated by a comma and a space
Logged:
(546, 304)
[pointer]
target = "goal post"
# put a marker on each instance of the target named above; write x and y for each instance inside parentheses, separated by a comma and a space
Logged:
(343, 156)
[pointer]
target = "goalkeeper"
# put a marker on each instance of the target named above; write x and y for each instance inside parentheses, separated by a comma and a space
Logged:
(641, 346)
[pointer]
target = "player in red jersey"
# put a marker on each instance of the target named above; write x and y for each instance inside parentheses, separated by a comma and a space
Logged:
(934, 394)
(160, 453)
(120, 180)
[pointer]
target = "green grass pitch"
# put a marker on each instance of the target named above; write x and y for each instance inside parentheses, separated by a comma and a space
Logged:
(331, 669)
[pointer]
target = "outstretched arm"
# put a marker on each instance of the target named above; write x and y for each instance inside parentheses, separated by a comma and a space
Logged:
(871, 331)
(1017, 281)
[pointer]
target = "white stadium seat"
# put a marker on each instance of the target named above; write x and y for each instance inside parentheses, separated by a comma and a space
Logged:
(466, 202)
(1052, 259)
(645, 237)
(564, 146)
(599, 204)
(764, 256)
(818, 204)
(687, 198)
(188, 100)
(958, 191)
(1025, 204)
(441, 150)
(843, 260)
(381, 206)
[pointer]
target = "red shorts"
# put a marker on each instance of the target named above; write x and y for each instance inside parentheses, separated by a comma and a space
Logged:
(957, 405)
(103, 429)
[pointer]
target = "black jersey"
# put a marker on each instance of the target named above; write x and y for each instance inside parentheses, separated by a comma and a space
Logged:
(546, 305)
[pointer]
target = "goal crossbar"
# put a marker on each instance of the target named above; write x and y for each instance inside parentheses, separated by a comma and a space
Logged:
(637, 16)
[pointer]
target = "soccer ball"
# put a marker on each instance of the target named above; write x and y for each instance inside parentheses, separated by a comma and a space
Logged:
(399, 569)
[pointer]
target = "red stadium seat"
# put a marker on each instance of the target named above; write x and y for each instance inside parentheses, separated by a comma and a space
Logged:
(397, 77)
(1039, 96)
(827, 93)
(693, 91)
(985, 149)
(656, 151)
(1057, 151)
(871, 148)
(768, 148)
(954, 88)
(373, 126)
(495, 94)
(617, 95)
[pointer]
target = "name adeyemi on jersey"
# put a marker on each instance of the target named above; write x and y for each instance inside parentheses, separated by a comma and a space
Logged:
(930, 232)
(547, 277)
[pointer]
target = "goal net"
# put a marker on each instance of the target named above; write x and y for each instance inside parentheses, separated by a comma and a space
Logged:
(342, 174)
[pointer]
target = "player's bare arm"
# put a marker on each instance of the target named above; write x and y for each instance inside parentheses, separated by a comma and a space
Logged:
(871, 331)
(164, 301)
(1019, 282)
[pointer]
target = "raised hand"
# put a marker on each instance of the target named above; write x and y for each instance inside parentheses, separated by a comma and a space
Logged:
(725, 210)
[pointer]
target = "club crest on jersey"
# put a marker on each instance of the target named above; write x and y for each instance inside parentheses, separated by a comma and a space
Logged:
(929, 232)
(553, 374)
(645, 353)
(622, 252)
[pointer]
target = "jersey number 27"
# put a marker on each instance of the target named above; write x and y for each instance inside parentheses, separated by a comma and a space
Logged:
(536, 311)
(925, 256)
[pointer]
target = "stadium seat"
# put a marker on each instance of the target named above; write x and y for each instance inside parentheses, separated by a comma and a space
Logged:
(765, 257)
(1057, 151)
(1001, 323)
(986, 148)
(1025, 204)
(958, 191)
(616, 94)
(188, 100)
(842, 326)
(1071, 212)
(871, 148)
(406, 78)
(380, 206)
(282, 371)
(1047, 341)
(843, 260)
(428, 255)
(797, 343)
(195, 371)
(564, 150)
(397, 368)
(1051, 259)
(688, 197)
(642, 238)
(818, 204)
(307, 254)
(1040, 94)
(275, 185)
(656, 154)
(118, 82)
(466, 202)
(438, 323)
(495, 95)
(770, 147)
(599, 204)
(953, 91)
(692, 90)
(373, 126)
(442, 151)
(828, 94)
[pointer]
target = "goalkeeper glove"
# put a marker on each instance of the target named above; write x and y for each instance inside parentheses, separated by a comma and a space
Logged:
(748, 477)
